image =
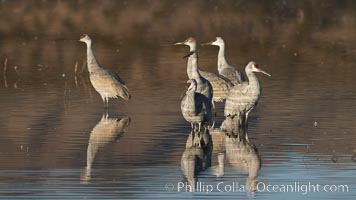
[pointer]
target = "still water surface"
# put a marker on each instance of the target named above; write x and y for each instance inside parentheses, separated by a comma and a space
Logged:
(53, 125)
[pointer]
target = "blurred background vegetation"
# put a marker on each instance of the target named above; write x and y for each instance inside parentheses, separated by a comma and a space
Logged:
(156, 19)
(148, 23)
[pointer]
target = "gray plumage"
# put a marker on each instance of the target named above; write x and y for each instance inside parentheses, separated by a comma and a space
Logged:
(232, 74)
(226, 70)
(220, 85)
(106, 82)
(203, 86)
(243, 97)
(196, 108)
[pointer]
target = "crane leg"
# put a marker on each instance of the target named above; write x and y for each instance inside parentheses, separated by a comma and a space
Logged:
(240, 120)
(246, 135)
(106, 104)
(213, 105)
(213, 124)
(103, 98)
(192, 133)
(214, 116)
(199, 137)
(246, 120)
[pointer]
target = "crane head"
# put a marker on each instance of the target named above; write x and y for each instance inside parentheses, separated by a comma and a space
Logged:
(191, 42)
(217, 42)
(254, 67)
(84, 38)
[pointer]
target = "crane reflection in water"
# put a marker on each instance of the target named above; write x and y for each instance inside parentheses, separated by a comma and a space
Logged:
(196, 157)
(105, 132)
(232, 148)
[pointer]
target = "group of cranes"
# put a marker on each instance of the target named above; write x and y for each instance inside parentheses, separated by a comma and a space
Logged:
(197, 105)
(241, 96)
(204, 88)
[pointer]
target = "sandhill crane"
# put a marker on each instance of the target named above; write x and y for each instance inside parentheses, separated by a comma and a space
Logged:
(226, 70)
(203, 86)
(243, 97)
(106, 82)
(196, 108)
(221, 85)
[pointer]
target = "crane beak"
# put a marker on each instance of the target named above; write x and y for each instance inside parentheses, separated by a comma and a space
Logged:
(208, 43)
(263, 72)
(189, 54)
(179, 43)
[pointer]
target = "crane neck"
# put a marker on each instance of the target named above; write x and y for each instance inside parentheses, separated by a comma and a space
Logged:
(189, 68)
(222, 63)
(253, 81)
(192, 47)
(191, 92)
(191, 99)
(91, 60)
(194, 67)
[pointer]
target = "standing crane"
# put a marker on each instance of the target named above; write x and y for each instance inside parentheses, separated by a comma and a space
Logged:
(243, 97)
(106, 82)
(226, 70)
(221, 85)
